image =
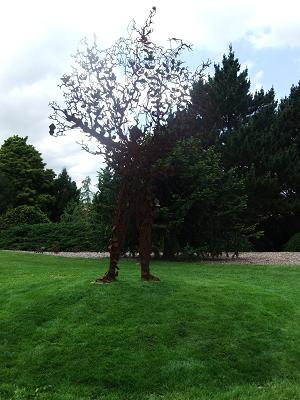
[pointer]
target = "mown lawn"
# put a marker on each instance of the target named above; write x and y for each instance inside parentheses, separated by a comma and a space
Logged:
(204, 332)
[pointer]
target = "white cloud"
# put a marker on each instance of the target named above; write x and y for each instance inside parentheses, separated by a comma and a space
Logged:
(248, 64)
(276, 25)
(65, 152)
(257, 81)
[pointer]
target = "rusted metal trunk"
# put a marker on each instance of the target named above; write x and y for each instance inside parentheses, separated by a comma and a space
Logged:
(120, 223)
(144, 216)
(142, 200)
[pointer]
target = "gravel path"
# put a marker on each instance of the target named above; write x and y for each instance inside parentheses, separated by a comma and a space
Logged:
(280, 258)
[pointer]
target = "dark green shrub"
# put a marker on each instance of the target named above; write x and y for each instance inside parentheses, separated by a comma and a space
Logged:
(293, 243)
(231, 244)
(23, 215)
(59, 236)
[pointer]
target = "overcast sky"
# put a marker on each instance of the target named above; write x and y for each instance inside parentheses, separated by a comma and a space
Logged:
(38, 38)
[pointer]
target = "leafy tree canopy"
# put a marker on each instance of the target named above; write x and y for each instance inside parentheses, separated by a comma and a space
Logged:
(202, 205)
(65, 192)
(24, 167)
(222, 101)
(23, 215)
(7, 192)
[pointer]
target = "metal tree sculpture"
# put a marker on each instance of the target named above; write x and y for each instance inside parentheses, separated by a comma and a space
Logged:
(123, 97)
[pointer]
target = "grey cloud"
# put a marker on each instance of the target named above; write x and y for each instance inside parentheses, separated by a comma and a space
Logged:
(29, 81)
(48, 55)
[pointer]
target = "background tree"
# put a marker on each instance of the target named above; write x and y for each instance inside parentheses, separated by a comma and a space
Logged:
(23, 215)
(104, 202)
(123, 97)
(248, 148)
(86, 194)
(79, 210)
(266, 151)
(287, 142)
(202, 205)
(22, 164)
(243, 126)
(65, 192)
(7, 193)
(285, 164)
(222, 101)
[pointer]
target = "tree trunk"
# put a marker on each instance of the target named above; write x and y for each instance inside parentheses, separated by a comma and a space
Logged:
(145, 211)
(119, 228)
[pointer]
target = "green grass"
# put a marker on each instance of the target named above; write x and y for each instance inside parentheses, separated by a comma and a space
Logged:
(204, 332)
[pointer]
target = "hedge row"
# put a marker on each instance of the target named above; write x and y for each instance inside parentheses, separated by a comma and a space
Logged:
(293, 244)
(53, 236)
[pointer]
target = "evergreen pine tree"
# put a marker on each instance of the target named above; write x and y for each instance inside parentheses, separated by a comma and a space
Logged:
(22, 164)
(222, 102)
(65, 191)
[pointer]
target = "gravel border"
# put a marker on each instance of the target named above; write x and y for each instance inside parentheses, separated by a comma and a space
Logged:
(262, 258)
(267, 258)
